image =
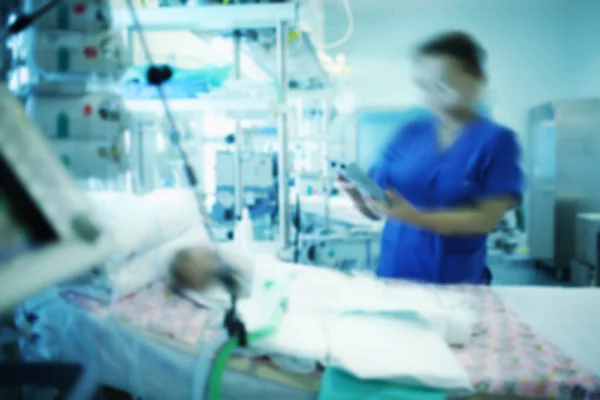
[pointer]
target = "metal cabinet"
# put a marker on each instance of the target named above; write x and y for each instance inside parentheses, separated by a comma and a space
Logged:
(563, 167)
(585, 264)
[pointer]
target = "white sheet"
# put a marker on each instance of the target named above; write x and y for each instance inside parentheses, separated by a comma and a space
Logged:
(568, 317)
(326, 320)
(319, 291)
(131, 361)
(139, 223)
(121, 358)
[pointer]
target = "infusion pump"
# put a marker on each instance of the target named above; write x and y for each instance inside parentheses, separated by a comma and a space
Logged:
(74, 56)
(78, 15)
(87, 131)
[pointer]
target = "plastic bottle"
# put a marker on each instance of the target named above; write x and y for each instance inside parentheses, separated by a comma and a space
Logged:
(244, 231)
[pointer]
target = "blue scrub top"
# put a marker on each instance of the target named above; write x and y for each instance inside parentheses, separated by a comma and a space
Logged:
(483, 162)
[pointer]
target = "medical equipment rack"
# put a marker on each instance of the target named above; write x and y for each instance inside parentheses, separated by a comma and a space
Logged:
(232, 19)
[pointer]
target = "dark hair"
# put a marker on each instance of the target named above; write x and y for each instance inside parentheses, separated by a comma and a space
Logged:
(461, 47)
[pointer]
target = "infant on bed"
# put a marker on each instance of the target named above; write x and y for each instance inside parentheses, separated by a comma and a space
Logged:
(195, 268)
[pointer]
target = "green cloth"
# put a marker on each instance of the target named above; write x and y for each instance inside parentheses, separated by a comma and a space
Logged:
(339, 385)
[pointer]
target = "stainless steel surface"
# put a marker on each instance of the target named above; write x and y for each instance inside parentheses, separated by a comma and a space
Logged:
(563, 149)
(282, 132)
(239, 140)
(582, 274)
(210, 18)
(587, 239)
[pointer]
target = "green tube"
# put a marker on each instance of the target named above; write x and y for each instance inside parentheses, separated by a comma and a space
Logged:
(215, 383)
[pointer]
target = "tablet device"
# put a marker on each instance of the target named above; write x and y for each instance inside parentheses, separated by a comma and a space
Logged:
(361, 180)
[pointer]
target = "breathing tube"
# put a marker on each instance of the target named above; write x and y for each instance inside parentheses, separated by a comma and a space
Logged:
(235, 336)
(215, 381)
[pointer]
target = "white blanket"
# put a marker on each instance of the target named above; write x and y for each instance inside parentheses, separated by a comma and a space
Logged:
(314, 290)
(140, 223)
(367, 328)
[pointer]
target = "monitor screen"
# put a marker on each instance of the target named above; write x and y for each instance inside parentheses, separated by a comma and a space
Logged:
(22, 226)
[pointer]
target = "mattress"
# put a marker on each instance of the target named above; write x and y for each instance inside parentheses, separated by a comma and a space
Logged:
(569, 318)
(508, 357)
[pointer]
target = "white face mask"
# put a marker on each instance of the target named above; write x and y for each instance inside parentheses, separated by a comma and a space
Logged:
(443, 88)
(443, 96)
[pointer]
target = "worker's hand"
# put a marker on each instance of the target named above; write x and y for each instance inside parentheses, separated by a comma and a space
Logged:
(398, 207)
(345, 185)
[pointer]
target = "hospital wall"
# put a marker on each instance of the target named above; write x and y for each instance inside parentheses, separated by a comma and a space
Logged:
(584, 48)
(536, 52)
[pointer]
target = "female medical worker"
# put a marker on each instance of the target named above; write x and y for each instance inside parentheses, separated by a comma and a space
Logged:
(449, 177)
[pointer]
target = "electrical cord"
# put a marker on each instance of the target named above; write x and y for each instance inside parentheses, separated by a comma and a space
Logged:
(349, 30)
(24, 21)
(157, 76)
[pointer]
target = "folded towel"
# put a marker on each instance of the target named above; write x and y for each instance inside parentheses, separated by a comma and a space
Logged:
(339, 385)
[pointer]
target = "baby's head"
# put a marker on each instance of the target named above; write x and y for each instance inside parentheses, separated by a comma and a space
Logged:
(194, 268)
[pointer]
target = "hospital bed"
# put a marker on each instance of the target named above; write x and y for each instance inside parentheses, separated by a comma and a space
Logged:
(531, 343)
(147, 340)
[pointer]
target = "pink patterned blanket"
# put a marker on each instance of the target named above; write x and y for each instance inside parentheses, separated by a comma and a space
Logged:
(505, 358)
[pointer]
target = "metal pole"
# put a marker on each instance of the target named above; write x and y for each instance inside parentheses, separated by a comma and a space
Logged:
(135, 131)
(326, 171)
(130, 44)
(282, 132)
(5, 52)
(238, 189)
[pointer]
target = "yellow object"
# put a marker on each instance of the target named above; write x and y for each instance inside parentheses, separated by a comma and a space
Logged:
(293, 35)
